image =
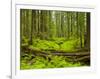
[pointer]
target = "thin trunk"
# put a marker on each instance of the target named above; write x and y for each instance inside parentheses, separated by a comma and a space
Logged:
(32, 24)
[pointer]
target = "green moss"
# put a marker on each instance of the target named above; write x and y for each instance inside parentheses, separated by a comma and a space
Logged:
(55, 62)
(70, 45)
(55, 44)
(45, 45)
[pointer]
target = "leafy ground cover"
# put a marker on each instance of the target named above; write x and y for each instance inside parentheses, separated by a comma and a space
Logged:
(40, 63)
(55, 44)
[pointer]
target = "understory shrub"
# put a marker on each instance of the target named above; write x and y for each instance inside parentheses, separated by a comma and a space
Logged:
(40, 62)
(61, 44)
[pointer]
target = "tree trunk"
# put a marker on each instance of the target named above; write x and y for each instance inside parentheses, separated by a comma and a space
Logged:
(88, 31)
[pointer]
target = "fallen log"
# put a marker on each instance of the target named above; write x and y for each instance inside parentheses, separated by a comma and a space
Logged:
(28, 49)
(72, 54)
(83, 58)
(58, 52)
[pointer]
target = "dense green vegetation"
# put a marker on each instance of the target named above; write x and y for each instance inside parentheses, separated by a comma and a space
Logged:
(66, 45)
(49, 31)
(40, 62)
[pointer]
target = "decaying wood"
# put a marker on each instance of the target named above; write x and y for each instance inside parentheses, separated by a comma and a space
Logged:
(76, 56)
(82, 58)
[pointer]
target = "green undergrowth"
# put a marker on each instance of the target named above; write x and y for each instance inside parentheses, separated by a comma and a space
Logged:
(40, 63)
(55, 44)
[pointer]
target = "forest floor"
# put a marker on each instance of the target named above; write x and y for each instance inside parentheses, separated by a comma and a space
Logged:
(53, 54)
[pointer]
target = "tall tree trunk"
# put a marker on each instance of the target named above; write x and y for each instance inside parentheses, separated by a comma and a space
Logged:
(88, 31)
(32, 25)
(68, 23)
(80, 28)
(77, 24)
(71, 23)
